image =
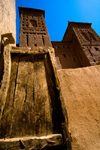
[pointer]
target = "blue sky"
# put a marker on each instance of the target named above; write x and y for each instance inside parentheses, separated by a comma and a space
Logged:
(59, 12)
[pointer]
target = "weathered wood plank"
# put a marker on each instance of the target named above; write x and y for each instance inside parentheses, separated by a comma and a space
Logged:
(29, 103)
(11, 91)
(21, 120)
(6, 120)
(31, 143)
(42, 106)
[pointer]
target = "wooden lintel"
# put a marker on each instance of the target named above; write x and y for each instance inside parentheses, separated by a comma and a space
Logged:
(33, 50)
(36, 142)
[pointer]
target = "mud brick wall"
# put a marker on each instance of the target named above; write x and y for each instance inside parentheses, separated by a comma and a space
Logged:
(33, 31)
(81, 92)
(80, 47)
(66, 56)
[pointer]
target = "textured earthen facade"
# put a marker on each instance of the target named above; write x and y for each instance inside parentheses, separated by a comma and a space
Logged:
(33, 31)
(80, 47)
(81, 92)
(42, 107)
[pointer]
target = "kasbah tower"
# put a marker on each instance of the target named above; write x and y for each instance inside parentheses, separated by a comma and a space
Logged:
(49, 91)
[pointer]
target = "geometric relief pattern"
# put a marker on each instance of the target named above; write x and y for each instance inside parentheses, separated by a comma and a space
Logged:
(86, 35)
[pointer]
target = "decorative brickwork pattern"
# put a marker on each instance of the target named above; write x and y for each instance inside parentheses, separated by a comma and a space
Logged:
(80, 47)
(33, 31)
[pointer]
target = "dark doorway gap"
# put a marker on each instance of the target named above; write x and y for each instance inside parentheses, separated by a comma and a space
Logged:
(43, 40)
(27, 39)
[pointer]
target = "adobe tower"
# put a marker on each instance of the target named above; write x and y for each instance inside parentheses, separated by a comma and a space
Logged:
(80, 47)
(33, 31)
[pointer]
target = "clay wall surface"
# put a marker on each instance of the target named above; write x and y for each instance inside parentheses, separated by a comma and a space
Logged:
(80, 47)
(66, 56)
(33, 31)
(81, 55)
(89, 41)
(7, 18)
(92, 53)
(81, 91)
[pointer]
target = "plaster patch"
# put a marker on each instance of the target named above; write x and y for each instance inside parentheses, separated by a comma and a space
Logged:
(1, 11)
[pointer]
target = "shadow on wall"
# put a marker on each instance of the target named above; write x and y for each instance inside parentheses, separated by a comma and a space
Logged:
(1, 65)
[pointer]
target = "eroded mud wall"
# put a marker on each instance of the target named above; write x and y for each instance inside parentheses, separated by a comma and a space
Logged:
(7, 18)
(81, 92)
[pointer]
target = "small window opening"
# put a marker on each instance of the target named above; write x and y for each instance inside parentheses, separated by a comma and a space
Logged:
(35, 44)
(74, 58)
(43, 40)
(96, 48)
(90, 52)
(80, 55)
(81, 66)
(33, 23)
(27, 39)
(64, 55)
(59, 59)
